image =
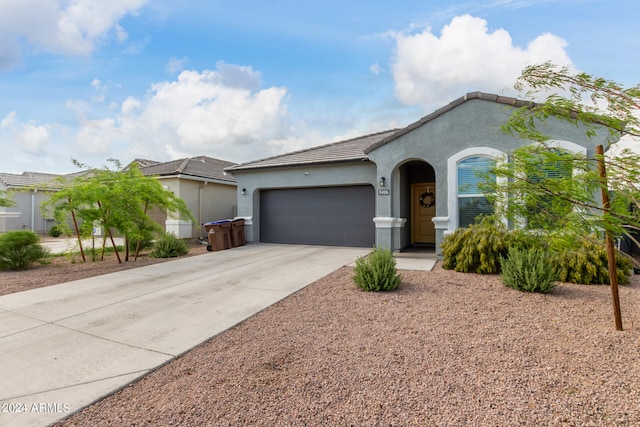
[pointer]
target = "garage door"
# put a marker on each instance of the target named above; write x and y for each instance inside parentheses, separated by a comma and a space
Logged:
(332, 216)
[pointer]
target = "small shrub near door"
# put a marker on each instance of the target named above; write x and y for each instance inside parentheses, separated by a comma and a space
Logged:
(377, 272)
(19, 249)
(528, 270)
(476, 248)
(169, 246)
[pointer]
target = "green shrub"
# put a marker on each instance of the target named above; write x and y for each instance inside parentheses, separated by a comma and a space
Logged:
(55, 231)
(528, 270)
(589, 265)
(377, 272)
(477, 248)
(19, 249)
(169, 246)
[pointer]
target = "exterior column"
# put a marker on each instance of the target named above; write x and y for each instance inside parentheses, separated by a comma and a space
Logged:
(387, 233)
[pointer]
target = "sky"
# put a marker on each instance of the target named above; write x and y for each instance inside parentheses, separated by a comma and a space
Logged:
(92, 80)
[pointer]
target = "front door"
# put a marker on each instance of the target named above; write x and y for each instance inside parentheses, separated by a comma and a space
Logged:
(423, 209)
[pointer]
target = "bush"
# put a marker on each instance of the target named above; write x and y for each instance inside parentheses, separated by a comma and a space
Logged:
(528, 270)
(55, 231)
(169, 246)
(19, 249)
(589, 265)
(377, 272)
(477, 248)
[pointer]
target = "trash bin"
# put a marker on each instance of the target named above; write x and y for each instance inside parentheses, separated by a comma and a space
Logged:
(237, 233)
(219, 233)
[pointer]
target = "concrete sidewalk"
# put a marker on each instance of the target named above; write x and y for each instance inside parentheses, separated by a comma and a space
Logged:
(65, 346)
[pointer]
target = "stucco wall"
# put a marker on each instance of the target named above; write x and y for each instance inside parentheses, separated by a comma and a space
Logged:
(207, 201)
(27, 203)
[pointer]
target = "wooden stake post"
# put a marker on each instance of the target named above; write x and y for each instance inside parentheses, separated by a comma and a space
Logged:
(611, 255)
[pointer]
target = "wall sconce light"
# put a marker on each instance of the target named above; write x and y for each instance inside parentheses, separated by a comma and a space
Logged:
(244, 191)
(382, 181)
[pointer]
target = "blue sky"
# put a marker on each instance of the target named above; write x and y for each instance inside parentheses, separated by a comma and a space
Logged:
(241, 80)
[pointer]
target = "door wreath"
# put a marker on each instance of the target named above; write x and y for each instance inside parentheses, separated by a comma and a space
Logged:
(427, 199)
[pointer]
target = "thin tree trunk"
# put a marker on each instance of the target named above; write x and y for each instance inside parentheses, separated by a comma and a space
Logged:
(135, 258)
(75, 225)
(611, 255)
(113, 243)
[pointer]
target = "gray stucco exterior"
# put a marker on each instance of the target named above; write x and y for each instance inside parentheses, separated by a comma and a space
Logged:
(428, 150)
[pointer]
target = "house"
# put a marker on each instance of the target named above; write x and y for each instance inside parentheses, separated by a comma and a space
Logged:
(209, 192)
(28, 191)
(396, 188)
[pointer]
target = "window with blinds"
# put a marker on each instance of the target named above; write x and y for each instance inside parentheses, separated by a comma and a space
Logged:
(546, 207)
(472, 203)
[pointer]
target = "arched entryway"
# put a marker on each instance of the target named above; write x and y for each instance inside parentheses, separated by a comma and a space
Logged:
(418, 201)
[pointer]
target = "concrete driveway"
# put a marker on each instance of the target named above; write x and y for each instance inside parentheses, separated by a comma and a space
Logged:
(65, 346)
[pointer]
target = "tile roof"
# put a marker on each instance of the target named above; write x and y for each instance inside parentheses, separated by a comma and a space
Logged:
(35, 179)
(143, 163)
(341, 151)
(197, 167)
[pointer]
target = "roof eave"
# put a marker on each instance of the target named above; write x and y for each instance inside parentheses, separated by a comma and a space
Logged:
(299, 164)
(197, 178)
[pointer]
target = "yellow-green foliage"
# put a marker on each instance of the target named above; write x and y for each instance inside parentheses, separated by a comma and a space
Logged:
(477, 248)
(588, 265)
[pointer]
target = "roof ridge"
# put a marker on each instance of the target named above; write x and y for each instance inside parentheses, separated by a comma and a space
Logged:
(183, 165)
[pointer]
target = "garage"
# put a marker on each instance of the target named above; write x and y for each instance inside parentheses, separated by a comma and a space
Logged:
(330, 216)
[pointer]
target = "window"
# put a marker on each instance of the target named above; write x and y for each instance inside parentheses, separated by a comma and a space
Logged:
(546, 173)
(471, 201)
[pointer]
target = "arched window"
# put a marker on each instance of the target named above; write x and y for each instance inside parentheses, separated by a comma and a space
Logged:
(472, 202)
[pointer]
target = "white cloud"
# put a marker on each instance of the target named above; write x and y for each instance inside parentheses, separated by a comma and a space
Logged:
(222, 112)
(376, 69)
(70, 27)
(175, 65)
(130, 105)
(432, 70)
(28, 136)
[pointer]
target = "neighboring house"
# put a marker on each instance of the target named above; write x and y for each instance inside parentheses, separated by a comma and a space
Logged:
(209, 192)
(28, 190)
(394, 189)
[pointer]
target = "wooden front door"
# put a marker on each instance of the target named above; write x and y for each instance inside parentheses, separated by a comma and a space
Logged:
(423, 209)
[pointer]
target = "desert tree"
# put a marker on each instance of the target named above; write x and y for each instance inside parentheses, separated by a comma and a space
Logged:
(561, 195)
(558, 192)
(114, 199)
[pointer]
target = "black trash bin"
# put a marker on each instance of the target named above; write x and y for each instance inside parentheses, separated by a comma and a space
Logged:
(219, 233)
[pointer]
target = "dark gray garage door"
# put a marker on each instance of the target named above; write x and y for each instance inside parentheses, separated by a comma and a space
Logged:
(332, 216)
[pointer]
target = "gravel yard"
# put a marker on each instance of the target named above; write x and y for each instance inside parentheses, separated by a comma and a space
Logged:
(446, 349)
